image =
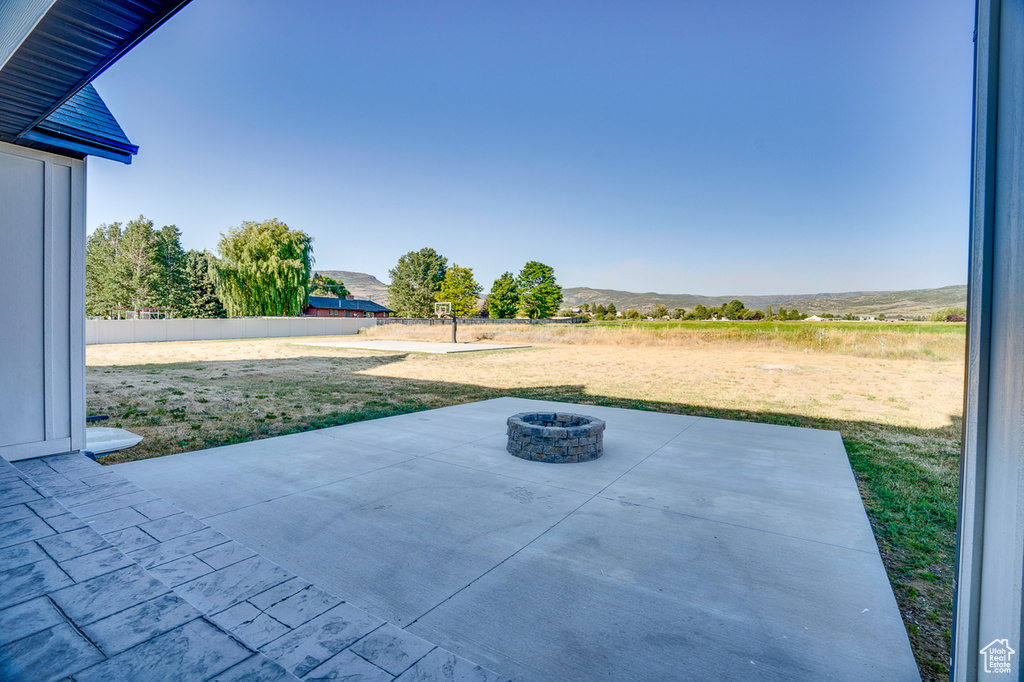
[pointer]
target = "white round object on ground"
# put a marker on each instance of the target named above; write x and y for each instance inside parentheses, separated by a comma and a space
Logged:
(101, 440)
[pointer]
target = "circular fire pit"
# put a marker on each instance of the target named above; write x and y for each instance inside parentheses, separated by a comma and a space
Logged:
(555, 437)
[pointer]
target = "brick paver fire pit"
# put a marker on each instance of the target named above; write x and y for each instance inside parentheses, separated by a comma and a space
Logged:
(555, 437)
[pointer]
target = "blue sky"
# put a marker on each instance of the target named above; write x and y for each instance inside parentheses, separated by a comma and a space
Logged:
(733, 147)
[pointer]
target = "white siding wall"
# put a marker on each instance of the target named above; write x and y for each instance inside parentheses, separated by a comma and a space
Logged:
(137, 331)
(42, 280)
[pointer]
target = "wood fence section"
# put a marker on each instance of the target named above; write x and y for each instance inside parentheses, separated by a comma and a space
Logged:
(184, 329)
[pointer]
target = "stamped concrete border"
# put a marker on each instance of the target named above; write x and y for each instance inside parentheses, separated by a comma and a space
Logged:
(101, 580)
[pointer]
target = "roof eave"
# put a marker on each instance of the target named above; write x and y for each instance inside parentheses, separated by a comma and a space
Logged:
(81, 146)
(104, 63)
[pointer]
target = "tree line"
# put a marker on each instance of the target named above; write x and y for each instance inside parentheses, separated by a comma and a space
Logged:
(261, 269)
(265, 269)
(423, 278)
(733, 310)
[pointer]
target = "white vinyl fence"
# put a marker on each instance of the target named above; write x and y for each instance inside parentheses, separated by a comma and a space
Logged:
(138, 331)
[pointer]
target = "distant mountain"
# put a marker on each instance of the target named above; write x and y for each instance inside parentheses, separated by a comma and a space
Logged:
(913, 302)
(361, 285)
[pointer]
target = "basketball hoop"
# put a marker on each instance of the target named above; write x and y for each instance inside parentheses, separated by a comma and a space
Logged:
(443, 309)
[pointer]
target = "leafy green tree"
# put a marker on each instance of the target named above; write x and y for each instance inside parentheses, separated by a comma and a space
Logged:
(941, 314)
(503, 301)
(263, 269)
(769, 314)
(201, 300)
(415, 282)
(632, 314)
(460, 288)
(539, 294)
(881, 316)
(733, 310)
(660, 311)
(610, 312)
(699, 312)
(323, 285)
(678, 313)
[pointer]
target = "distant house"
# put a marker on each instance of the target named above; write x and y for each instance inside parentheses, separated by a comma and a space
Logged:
(326, 306)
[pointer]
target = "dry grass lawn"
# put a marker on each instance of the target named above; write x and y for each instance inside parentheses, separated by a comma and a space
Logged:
(899, 417)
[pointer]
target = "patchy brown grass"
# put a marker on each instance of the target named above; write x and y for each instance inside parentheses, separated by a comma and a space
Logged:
(899, 417)
(893, 341)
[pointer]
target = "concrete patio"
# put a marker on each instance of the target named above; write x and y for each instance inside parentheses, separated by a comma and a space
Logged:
(695, 548)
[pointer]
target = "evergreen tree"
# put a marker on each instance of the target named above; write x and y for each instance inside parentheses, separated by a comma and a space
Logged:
(460, 289)
(169, 288)
(137, 270)
(102, 290)
(200, 300)
(610, 312)
(133, 266)
(263, 269)
(503, 301)
(416, 281)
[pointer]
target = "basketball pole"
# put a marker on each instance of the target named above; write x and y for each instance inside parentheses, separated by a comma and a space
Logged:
(455, 325)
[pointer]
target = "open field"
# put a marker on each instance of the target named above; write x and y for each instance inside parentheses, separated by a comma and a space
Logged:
(895, 395)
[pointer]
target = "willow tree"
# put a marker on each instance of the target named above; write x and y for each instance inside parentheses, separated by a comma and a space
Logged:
(263, 269)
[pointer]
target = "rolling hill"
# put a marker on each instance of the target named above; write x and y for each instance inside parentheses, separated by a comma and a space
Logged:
(361, 285)
(912, 302)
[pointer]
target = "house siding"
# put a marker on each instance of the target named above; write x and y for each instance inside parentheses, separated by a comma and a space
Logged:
(42, 259)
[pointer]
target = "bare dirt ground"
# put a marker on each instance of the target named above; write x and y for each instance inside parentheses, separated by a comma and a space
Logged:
(899, 417)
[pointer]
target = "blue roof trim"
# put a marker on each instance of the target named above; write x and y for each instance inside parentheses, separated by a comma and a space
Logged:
(86, 116)
(347, 304)
(49, 52)
(75, 146)
(85, 125)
